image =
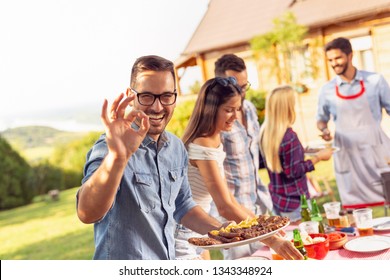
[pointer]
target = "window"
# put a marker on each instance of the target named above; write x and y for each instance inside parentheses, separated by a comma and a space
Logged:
(363, 57)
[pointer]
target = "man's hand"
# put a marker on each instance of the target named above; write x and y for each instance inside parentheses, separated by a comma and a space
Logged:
(284, 248)
(122, 139)
(326, 134)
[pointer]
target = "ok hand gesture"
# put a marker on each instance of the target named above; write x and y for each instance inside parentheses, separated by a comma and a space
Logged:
(122, 139)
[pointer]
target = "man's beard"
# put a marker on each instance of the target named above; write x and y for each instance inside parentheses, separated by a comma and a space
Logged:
(344, 69)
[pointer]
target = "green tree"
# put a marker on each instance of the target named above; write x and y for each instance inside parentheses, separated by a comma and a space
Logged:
(195, 88)
(279, 45)
(257, 97)
(47, 177)
(15, 173)
(71, 156)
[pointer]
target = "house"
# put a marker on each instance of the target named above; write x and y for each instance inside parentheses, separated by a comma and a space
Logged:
(229, 25)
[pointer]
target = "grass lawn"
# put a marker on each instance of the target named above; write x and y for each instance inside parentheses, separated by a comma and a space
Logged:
(45, 230)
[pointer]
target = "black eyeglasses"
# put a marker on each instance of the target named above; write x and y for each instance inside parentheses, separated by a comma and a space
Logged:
(148, 99)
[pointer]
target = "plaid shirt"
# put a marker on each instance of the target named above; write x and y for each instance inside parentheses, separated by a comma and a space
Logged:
(287, 186)
(242, 163)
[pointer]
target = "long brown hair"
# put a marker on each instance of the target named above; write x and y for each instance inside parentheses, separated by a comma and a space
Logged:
(214, 93)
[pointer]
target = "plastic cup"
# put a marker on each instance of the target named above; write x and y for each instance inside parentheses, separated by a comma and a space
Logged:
(332, 210)
(363, 220)
(309, 227)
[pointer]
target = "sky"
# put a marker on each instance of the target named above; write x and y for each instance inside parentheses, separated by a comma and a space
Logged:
(61, 58)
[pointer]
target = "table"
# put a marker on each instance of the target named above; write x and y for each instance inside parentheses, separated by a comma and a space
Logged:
(340, 254)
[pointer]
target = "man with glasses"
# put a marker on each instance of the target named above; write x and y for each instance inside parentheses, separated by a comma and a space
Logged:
(135, 186)
(241, 145)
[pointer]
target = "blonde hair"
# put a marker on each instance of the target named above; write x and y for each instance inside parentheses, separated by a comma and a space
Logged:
(279, 115)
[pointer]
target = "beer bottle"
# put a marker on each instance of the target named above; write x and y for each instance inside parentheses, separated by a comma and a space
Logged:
(316, 216)
(305, 211)
(298, 243)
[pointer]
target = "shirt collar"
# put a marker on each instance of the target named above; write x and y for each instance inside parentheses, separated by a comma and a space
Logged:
(162, 140)
(358, 77)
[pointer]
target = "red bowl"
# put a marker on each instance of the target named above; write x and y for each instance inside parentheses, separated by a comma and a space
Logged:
(337, 240)
(318, 250)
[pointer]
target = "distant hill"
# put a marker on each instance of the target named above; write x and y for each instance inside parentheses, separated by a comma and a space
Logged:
(37, 142)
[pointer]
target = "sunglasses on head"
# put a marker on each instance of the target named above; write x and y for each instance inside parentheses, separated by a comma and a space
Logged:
(224, 81)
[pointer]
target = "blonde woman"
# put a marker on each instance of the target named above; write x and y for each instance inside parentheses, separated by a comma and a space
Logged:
(217, 108)
(283, 154)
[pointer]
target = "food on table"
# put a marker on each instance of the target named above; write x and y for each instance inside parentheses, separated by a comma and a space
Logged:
(246, 229)
(203, 241)
(334, 236)
(337, 240)
(312, 150)
(316, 245)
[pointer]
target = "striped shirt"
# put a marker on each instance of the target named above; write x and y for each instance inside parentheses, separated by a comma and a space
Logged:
(200, 193)
(242, 163)
(287, 186)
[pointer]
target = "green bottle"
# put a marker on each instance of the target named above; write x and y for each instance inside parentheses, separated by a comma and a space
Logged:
(316, 216)
(298, 243)
(305, 211)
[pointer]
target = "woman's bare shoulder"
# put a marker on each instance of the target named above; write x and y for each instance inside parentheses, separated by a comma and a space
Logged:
(205, 142)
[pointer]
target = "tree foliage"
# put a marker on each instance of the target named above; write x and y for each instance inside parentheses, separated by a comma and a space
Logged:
(15, 174)
(20, 181)
(70, 158)
(279, 44)
(258, 99)
(181, 117)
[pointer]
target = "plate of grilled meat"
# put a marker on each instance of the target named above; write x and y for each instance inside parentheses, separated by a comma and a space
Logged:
(247, 231)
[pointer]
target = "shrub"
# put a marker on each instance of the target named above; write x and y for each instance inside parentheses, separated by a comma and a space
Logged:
(257, 97)
(15, 173)
(181, 117)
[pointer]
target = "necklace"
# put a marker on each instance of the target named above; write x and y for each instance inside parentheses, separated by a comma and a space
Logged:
(351, 96)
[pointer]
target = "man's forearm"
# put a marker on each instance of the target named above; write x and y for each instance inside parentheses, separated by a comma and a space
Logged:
(97, 194)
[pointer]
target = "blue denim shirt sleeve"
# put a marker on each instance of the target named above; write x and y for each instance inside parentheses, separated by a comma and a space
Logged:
(94, 158)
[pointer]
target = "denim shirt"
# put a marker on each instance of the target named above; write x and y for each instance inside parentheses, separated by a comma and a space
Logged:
(153, 195)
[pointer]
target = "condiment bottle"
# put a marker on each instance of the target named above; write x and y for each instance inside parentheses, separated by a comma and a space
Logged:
(316, 216)
(343, 218)
(351, 219)
(305, 211)
(298, 243)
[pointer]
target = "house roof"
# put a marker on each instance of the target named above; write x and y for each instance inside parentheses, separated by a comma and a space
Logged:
(234, 22)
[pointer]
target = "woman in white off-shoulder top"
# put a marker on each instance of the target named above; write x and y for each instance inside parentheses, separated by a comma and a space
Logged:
(216, 109)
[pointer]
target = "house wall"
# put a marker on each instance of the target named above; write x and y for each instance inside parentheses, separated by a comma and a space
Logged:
(262, 77)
